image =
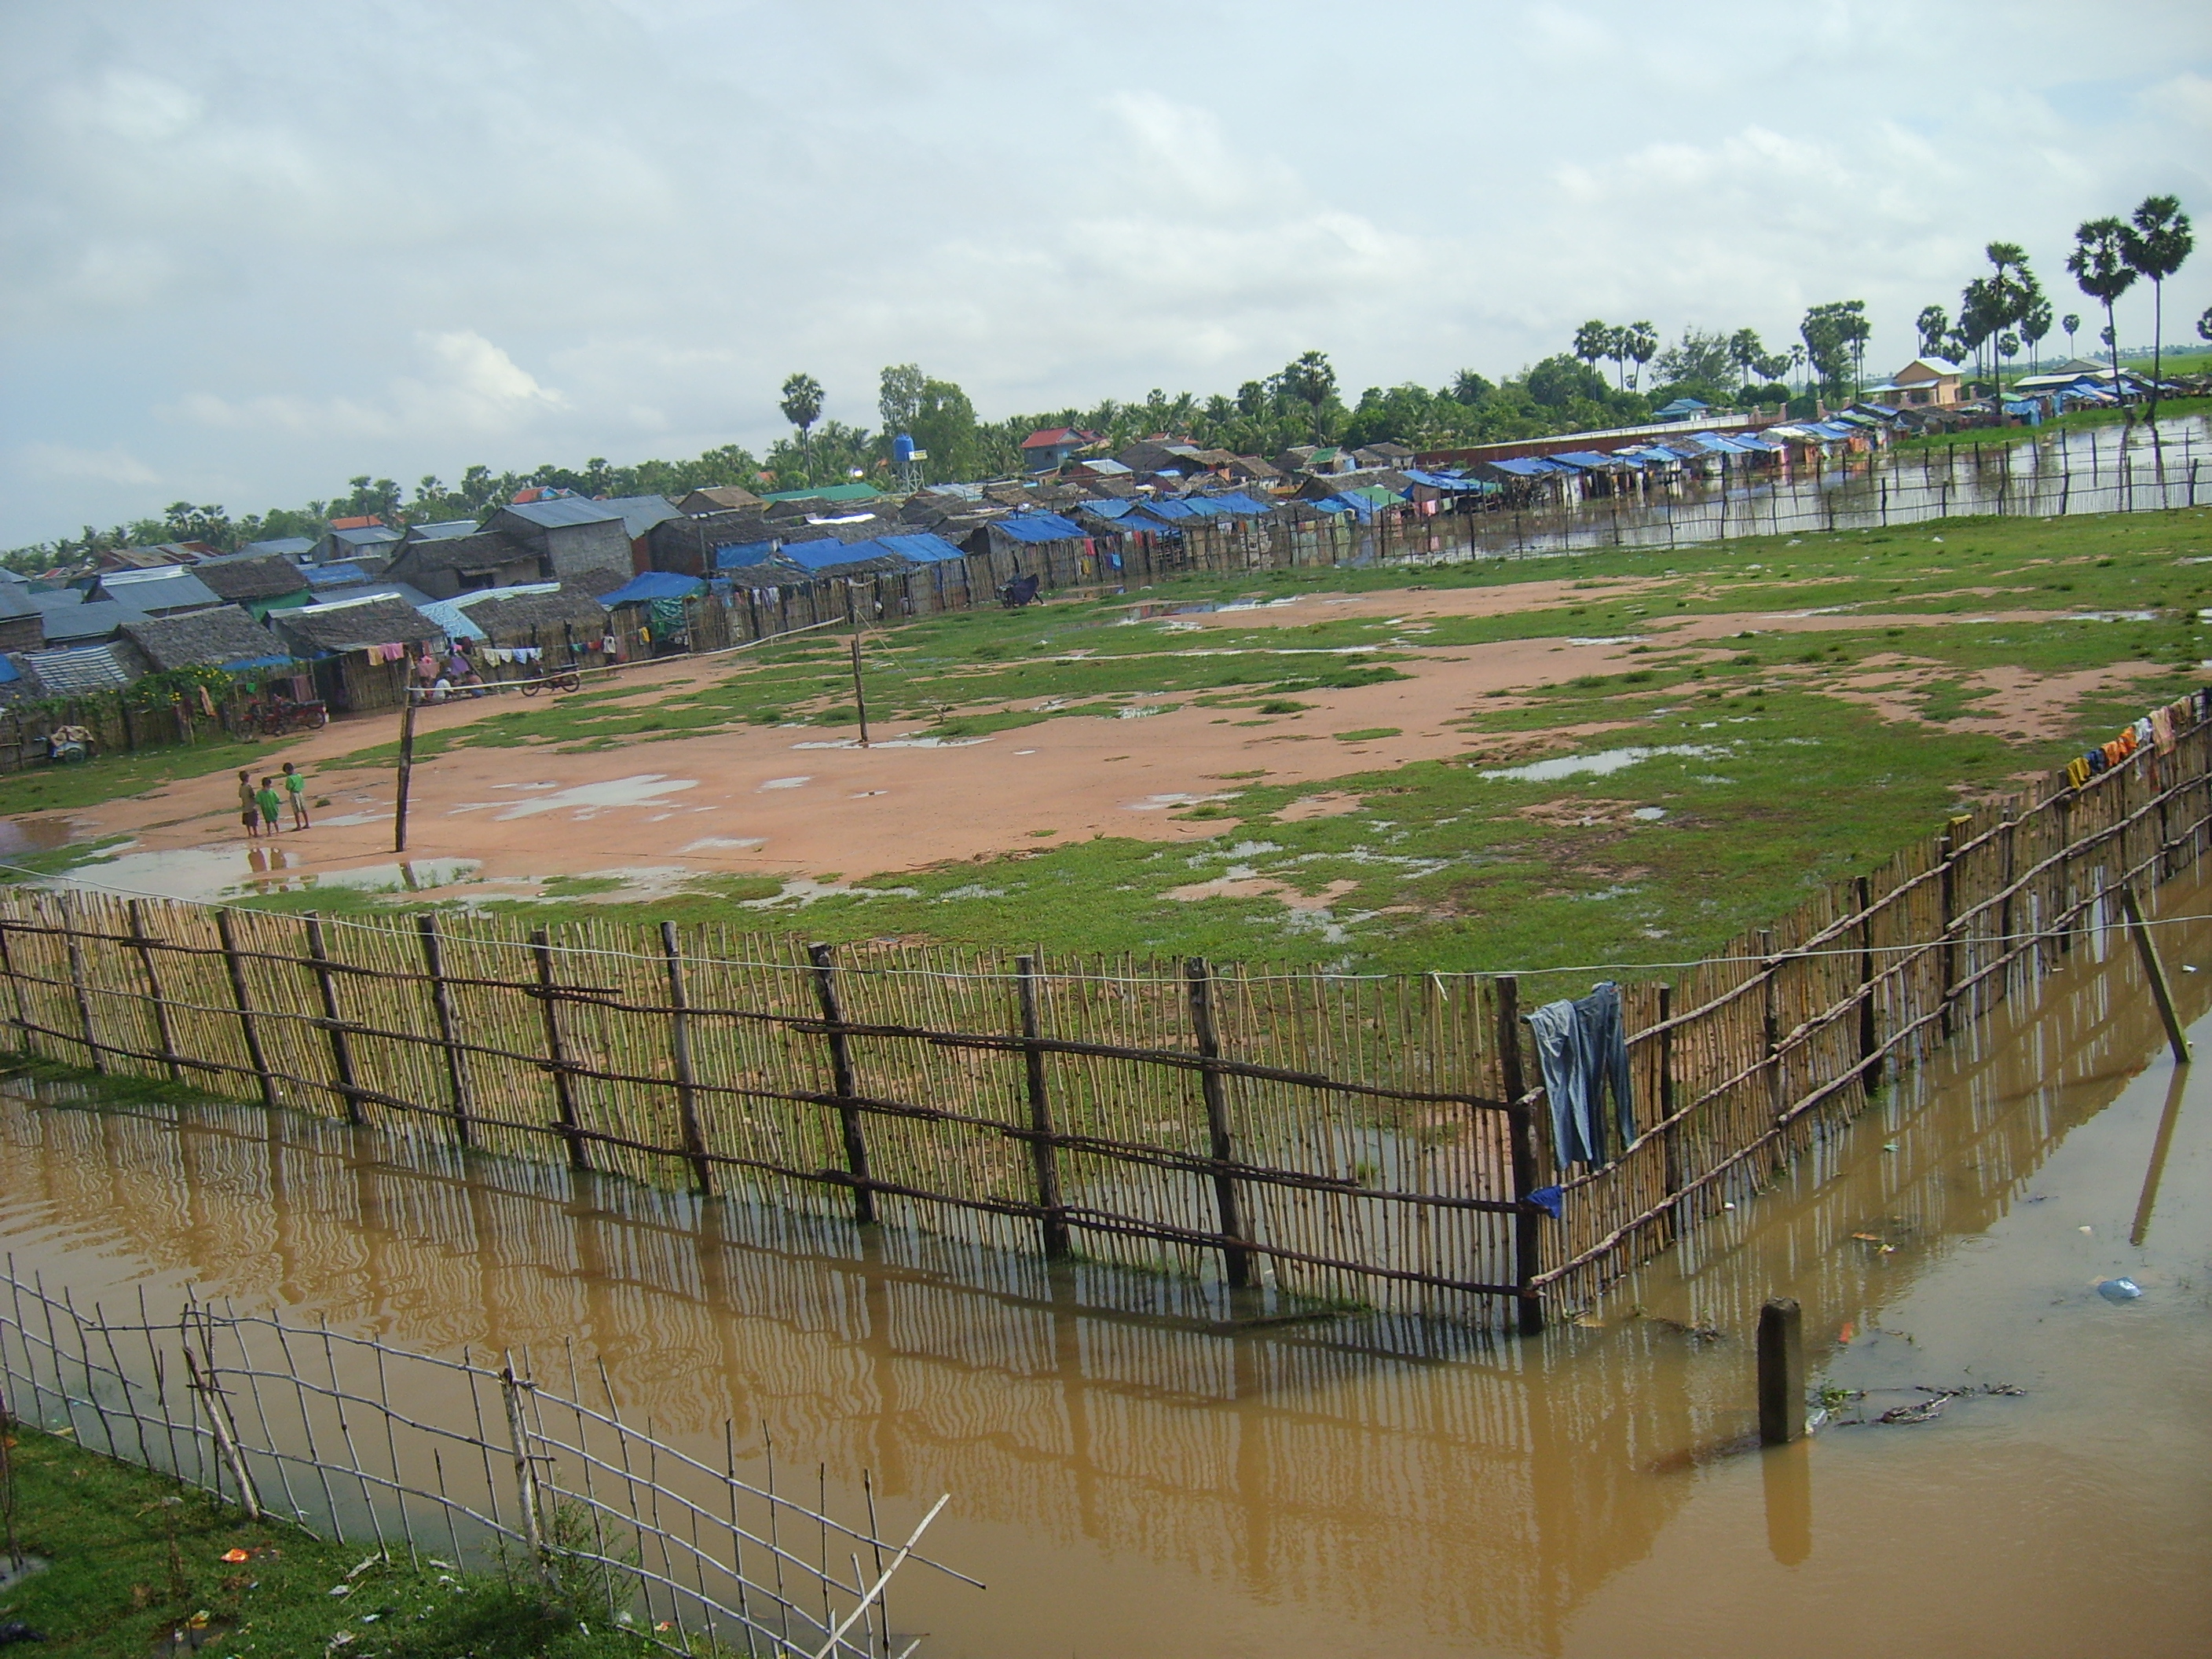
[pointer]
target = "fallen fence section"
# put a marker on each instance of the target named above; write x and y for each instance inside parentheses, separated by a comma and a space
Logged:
(478, 1461)
(1358, 1141)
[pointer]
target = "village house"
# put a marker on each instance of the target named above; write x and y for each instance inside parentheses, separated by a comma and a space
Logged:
(262, 582)
(465, 564)
(582, 542)
(1923, 383)
(1049, 448)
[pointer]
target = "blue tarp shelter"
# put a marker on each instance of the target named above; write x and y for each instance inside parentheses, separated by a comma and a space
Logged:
(654, 584)
(1038, 527)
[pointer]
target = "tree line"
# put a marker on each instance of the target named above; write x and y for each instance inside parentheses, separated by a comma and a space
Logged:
(1301, 403)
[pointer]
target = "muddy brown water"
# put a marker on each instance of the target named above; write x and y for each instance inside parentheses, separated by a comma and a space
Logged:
(1137, 1472)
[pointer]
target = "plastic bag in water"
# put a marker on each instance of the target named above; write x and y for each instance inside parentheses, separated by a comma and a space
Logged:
(2119, 1290)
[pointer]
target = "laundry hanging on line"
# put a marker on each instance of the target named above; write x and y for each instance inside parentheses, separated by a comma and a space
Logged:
(1581, 1049)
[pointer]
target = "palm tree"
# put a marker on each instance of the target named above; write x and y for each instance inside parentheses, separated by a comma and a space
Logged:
(2101, 270)
(1639, 342)
(2205, 324)
(2033, 327)
(1593, 341)
(2069, 322)
(1934, 327)
(802, 407)
(2156, 244)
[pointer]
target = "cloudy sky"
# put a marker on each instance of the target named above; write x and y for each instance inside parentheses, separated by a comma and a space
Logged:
(249, 249)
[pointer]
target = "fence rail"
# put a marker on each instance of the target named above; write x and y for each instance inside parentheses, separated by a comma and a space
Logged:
(1366, 1139)
(297, 1423)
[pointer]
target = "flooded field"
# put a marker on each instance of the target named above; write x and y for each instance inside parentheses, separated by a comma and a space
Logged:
(1137, 1470)
(2107, 469)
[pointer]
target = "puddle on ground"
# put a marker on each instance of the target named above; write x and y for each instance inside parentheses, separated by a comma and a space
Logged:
(41, 835)
(1596, 766)
(587, 801)
(202, 873)
(894, 742)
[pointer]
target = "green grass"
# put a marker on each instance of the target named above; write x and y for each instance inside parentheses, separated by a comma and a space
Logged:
(41, 787)
(135, 1558)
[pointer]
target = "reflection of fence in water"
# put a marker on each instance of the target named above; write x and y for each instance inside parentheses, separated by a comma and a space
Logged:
(1335, 1461)
(298, 1423)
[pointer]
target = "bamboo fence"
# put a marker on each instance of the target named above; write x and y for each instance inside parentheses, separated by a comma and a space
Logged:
(483, 1462)
(1371, 1140)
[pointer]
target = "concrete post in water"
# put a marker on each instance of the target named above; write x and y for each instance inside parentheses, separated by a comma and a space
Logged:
(841, 1082)
(1237, 1264)
(2155, 972)
(1781, 1371)
(1043, 1158)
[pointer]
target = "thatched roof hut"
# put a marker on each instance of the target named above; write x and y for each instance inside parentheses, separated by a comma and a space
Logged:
(515, 618)
(212, 638)
(352, 625)
(242, 578)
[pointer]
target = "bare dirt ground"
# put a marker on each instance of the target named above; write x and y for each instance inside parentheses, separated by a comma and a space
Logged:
(807, 802)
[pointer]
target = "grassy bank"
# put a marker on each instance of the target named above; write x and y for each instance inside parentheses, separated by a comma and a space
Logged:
(138, 1568)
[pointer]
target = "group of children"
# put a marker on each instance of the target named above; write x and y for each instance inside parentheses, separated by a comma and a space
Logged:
(258, 809)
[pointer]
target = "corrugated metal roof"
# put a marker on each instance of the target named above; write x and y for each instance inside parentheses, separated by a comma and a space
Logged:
(95, 619)
(444, 530)
(287, 545)
(171, 589)
(88, 668)
(640, 512)
(843, 492)
(563, 510)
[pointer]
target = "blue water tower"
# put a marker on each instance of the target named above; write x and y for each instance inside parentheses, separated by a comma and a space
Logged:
(902, 451)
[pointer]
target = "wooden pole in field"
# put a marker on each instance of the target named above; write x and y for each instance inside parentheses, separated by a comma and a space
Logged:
(406, 774)
(2154, 972)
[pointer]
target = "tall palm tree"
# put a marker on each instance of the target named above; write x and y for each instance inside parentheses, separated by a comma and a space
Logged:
(2069, 322)
(2156, 244)
(1934, 327)
(1639, 343)
(802, 407)
(1593, 341)
(2101, 270)
(2033, 327)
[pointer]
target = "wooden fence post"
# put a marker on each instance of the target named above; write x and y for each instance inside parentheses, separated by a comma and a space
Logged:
(679, 1042)
(556, 1056)
(22, 1016)
(1198, 982)
(1669, 1145)
(1771, 1021)
(406, 766)
(2065, 918)
(142, 942)
(2155, 972)
(203, 1386)
(1527, 1220)
(525, 1474)
(333, 1021)
(247, 1026)
(441, 1001)
(1948, 953)
(1044, 1157)
(74, 942)
(1870, 1044)
(841, 1082)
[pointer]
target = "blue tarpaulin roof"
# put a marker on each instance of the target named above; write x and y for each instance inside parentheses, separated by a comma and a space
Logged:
(1109, 508)
(736, 554)
(9, 672)
(1238, 502)
(824, 551)
(1532, 467)
(1038, 527)
(921, 548)
(654, 584)
(245, 662)
(343, 573)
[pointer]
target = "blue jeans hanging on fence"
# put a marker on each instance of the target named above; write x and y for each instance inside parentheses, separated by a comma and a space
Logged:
(1581, 1049)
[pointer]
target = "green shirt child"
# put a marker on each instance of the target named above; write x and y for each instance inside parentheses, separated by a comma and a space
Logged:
(271, 803)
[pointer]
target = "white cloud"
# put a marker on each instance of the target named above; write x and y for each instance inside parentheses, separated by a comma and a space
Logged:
(260, 248)
(115, 466)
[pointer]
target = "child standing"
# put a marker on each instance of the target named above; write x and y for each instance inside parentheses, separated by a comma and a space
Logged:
(296, 787)
(271, 804)
(249, 808)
